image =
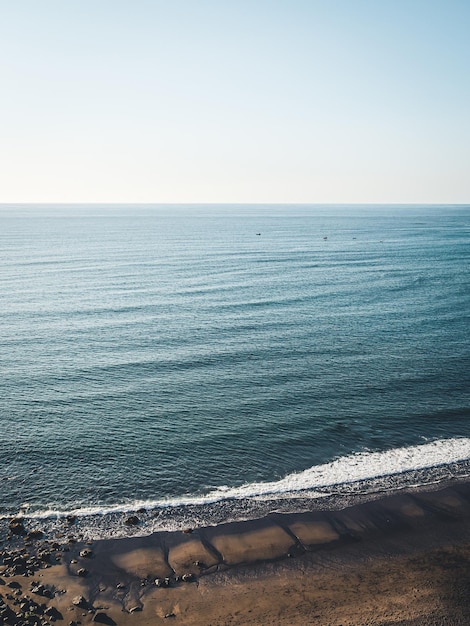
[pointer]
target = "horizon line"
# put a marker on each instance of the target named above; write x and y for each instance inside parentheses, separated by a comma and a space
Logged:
(226, 203)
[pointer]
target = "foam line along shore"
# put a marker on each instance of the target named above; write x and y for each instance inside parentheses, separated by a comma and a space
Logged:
(184, 574)
(342, 482)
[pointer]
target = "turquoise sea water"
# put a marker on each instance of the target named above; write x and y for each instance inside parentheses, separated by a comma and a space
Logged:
(214, 360)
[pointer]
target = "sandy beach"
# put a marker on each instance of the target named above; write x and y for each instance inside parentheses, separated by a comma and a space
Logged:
(402, 559)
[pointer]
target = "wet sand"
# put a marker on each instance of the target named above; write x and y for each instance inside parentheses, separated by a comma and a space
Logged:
(404, 559)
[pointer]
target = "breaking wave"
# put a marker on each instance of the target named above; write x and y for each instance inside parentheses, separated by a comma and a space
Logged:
(318, 481)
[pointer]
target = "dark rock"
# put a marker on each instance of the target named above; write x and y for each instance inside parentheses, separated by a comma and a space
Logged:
(19, 560)
(188, 578)
(14, 585)
(133, 520)
(16, 526)
(52, 612)
(34, 534)
(82, 572)
(135, 609)
(86, 553)
(169, 615)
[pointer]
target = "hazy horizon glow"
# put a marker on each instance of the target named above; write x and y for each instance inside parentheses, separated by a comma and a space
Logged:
(304, 101)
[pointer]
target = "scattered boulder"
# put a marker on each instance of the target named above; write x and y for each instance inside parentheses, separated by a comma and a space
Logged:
(80, 601)
(16, 526)
(14, 585)
(44, 556)
(82, 572)
(34, 534)
(52, 612)
(188, 578)
(132, 520)
(43, 591)
(86, 553)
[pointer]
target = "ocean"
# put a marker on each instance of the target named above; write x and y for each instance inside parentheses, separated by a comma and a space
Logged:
(206, 363)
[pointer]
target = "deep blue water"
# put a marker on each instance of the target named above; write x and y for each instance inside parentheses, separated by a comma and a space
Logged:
(161, 353)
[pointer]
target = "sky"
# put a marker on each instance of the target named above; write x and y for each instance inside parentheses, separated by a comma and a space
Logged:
(242, 101)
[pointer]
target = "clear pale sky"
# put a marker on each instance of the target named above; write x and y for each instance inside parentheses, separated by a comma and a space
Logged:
(235, 101)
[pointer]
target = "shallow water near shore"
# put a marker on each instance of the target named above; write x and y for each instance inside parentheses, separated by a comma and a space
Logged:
(174, 359)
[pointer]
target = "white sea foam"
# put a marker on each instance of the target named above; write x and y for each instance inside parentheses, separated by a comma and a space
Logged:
(361, 466)
(358, 467)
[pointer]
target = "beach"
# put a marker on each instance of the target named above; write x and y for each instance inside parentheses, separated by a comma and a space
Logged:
(400, 559)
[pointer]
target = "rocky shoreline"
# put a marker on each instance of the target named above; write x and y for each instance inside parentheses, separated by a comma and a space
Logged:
(167, 575)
